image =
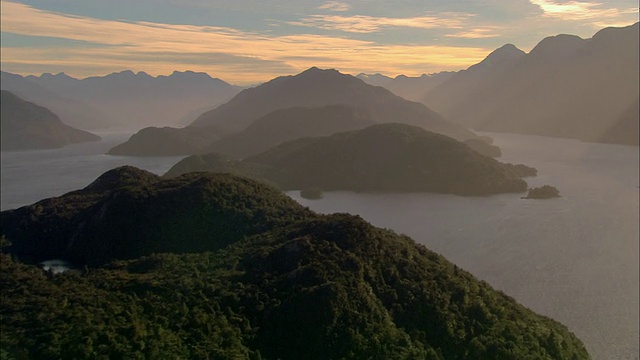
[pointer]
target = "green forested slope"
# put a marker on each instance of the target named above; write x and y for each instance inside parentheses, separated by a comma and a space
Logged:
(292, 285)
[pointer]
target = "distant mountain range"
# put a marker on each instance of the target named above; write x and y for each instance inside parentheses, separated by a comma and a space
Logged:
(316, 87)
(27, 126)
(73, 112)
(381, 157)
(123, 99)
(313, 88)
(410, 88)
(565, 86)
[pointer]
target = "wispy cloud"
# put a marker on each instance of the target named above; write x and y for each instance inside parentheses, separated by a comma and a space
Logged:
(335, 6)
(580, 10)
(369, 24)
(478, 33)
(161, 48)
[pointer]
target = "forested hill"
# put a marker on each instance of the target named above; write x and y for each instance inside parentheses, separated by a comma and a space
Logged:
(245, 273)
(381, 157)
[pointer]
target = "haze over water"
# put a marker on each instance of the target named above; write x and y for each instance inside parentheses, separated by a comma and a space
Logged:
(574, 258)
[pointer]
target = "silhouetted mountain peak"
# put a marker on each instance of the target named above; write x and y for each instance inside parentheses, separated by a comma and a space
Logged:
(558, 46)
(314, 73)
(376, 79)
(508, 52)
(126, 74)
(190, 74)
(627, 35)
(60, 76)
(143, 75)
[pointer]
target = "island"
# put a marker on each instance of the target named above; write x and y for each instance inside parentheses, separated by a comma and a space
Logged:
(543, 192)
(381, 157)
(313, 193)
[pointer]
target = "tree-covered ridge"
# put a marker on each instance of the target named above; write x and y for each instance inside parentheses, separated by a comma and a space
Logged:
(325, 287)
(383, 157)
(218, 266)
(127, 213)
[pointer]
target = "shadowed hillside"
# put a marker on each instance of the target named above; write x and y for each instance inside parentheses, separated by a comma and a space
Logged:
(26, 125)
(291, 124)
(383, 157)
(565, 87)
(311, 88)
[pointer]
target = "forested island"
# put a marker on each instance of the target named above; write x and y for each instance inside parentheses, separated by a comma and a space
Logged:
(382, 157)
(214, 265)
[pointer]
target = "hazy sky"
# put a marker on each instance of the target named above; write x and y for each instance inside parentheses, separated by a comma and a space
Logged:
(248, 41)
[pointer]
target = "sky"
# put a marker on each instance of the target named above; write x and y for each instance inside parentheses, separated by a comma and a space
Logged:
(248, 41)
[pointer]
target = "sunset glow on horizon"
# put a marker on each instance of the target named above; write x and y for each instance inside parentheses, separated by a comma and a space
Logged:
(244, 44)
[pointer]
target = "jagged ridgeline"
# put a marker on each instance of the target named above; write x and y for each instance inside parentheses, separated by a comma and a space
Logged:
(245, 272)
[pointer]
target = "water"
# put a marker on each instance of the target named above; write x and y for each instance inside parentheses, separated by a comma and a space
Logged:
(574, 258)
(56, 266)
(29, 176)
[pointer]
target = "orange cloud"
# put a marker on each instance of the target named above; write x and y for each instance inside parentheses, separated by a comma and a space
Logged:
(478, 33)
(236, 56)
(369, 24)
(335, 6)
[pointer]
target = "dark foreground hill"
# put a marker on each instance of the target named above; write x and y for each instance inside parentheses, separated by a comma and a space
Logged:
(383, 157)
(313, 88)
(26, 125)
(127, 213)
(278, 282)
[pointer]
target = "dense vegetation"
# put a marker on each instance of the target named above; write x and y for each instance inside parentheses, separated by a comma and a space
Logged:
(26, 125)
(250, 274)
(127, 213)
(483, 147)
(543, 192)
(312, 193)
(383, 157)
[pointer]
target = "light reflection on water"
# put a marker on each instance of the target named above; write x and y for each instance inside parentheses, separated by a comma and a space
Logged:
(56, 266)
(30, 176)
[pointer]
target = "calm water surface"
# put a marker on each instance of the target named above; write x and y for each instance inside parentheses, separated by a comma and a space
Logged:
(574, 258)
(29, 176)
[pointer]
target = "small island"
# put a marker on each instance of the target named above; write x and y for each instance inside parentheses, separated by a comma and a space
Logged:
(313, 193)
(543, 192)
